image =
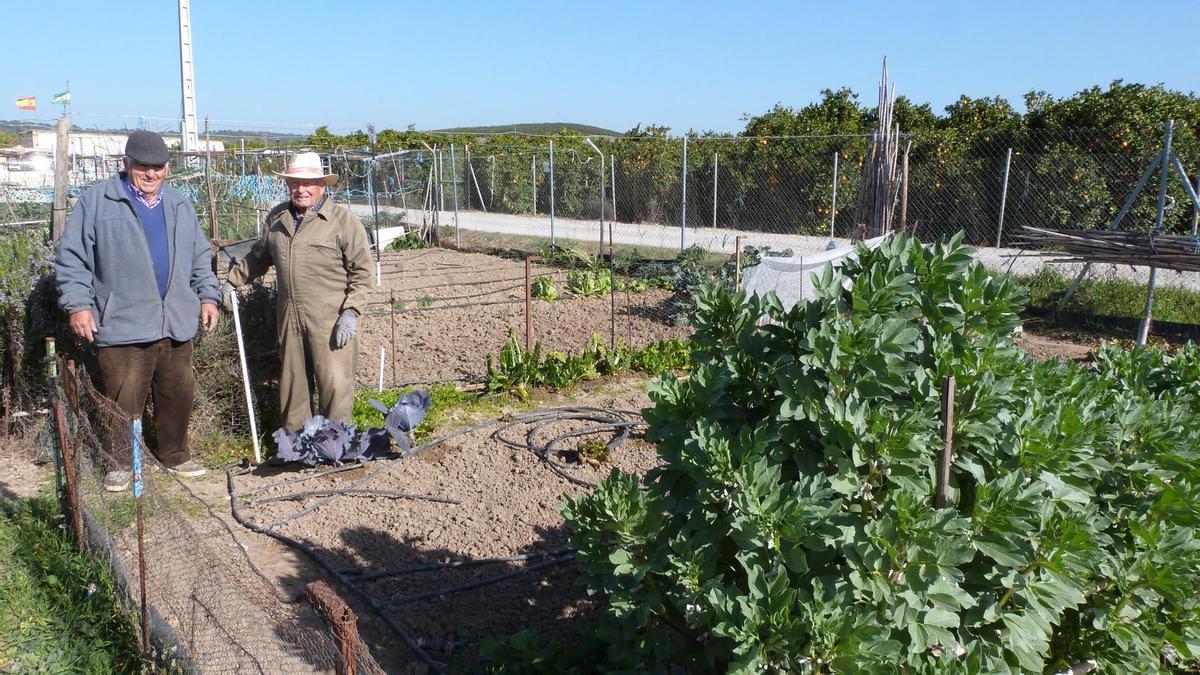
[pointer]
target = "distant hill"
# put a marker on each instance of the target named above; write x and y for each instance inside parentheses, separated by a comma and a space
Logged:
(540, 129)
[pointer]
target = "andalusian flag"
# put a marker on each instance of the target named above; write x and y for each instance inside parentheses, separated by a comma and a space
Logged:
(62, 98)
(27, 103)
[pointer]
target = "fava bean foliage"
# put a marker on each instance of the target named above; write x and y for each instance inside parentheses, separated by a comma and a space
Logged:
(791, 526)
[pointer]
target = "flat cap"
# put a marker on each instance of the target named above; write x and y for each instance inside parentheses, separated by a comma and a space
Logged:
(147, 147)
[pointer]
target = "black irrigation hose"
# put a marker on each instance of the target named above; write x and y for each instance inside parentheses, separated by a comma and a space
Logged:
(395, 602)
(360, 575)
(607, 421)
(380, 611)
(393, 494)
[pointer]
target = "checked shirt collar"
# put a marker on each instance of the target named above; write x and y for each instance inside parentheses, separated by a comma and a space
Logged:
(148, 202)
(298, 217)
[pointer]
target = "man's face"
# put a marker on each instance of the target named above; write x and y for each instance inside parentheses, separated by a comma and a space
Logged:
(305, 192)
(147, 177)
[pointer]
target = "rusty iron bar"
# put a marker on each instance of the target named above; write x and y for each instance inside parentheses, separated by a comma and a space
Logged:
(941, 497)
(71, 385)
(68, 455)
(529, 299)
(343, 620)
(612, 291)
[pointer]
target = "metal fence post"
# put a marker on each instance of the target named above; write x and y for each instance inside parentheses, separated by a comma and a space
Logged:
(374, 200)
(533, 181)
(1163, 173)
(551, 192)
(683, 199)
(454, 193)
(833, 201)
(612, 168)
(1003, 197)
(715, 161)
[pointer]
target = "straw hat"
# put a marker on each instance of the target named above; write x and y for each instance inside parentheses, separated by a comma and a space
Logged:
(307, 165)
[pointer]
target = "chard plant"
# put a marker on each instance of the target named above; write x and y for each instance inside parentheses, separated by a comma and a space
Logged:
(791, 526)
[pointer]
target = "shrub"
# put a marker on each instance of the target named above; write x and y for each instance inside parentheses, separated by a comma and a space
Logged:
(791, 525)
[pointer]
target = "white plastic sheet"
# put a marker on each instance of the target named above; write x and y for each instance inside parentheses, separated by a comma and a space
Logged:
(791, 278)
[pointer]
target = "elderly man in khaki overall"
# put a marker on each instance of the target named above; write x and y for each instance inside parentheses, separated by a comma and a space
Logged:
(324, 271)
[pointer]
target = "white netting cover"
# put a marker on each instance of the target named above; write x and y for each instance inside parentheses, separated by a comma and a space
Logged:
(791, 277)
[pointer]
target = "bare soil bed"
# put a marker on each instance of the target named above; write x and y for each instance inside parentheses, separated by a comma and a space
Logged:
(509, 506)
(452, 309)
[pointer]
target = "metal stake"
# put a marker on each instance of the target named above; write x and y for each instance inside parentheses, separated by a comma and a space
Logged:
(1003, 197)
(715, 162)
(833, 201)
(551, 192)
(1164, 173)
(683, 198)
(135, 442)
(454, 192)
(237, 327)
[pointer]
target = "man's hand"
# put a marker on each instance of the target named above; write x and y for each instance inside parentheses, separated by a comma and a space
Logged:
(209, 316)
(347, 323)
(83, 324)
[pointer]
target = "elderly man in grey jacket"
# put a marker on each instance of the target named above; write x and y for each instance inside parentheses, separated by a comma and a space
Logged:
(134, 275)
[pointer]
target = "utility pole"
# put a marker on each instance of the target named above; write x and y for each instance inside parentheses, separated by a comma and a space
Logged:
(189, 134)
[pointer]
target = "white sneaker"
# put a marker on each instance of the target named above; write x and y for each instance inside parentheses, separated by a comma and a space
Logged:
(188, 469)
(117, 481)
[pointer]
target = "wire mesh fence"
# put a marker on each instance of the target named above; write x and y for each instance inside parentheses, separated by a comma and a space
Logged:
(204, 606)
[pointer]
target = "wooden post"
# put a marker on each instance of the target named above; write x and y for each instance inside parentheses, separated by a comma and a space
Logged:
(212, 199)
(343, 620)
(528, 305)
(62, 176)
(941, 497)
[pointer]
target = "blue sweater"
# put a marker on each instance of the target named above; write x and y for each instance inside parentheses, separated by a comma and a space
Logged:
(154, 224)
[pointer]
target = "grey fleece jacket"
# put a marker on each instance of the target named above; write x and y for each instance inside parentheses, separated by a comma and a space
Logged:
(103, 264)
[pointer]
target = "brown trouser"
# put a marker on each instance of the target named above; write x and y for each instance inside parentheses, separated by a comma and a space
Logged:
(127, 371)
(307, 357)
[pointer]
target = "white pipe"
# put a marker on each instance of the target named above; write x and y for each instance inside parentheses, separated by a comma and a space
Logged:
(381, 353)
(378, 271)
(237, 326)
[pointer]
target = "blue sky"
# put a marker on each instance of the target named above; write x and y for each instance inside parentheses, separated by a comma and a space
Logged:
(288, 66)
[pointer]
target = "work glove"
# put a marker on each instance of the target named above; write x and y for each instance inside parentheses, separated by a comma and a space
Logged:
(226, 289)
(347, 323)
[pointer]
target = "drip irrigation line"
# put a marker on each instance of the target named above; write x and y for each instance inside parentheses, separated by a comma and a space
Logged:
(458, 306)
(289, 481)
(388, 464)
(312, 555)
(396, 602)
(393, 494)
(360, 576)
(607, 421)
(473, 283)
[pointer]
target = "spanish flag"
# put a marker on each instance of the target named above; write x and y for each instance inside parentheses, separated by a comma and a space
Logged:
(27, 103)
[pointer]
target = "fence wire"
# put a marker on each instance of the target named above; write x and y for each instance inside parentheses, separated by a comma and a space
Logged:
(208, 607)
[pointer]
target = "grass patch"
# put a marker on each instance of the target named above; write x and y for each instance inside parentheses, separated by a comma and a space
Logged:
(57, 607)
(1111, 297)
